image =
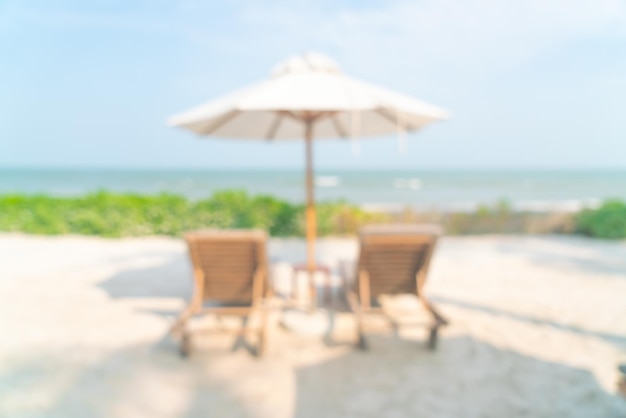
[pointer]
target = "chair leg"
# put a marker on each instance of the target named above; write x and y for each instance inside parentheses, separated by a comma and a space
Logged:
(185, 344)
(241, 341)
(433, 336)
(395, 328)
(261, 344)
(362, 342)
(180, 327)
(621, 381)
(181, 321)
(262, 338)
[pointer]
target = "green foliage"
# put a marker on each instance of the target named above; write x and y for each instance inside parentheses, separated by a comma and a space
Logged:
(113, 215)
(342, 218)
(496, 219)
(607, 221)
(236, 209)
(101, 213)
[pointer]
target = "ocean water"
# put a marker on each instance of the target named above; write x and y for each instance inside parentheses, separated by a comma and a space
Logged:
(372, 189)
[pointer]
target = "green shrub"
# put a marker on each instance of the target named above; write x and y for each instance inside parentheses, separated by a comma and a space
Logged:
(114, 215)
(341, 218)
(607, 221)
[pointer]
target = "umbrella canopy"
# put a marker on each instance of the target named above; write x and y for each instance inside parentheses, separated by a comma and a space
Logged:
(308, 85)
(308, 97)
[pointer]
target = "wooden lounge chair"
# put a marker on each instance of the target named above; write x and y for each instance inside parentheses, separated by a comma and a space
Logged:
(393, 260)
(230, 278)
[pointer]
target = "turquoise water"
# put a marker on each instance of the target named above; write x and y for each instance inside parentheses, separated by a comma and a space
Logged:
(444, 190)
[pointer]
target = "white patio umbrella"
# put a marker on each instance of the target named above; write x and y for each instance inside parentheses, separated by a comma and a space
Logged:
(308, 97)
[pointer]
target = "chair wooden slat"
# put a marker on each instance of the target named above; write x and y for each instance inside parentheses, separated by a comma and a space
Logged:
(230, 268)
(393, 260)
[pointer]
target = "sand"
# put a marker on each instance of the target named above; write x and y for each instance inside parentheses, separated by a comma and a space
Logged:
(538, 326)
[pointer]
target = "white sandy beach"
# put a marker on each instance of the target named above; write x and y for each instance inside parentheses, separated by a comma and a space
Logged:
(538, 326)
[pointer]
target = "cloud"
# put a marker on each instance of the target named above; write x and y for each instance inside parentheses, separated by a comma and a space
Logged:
(472, 33)
(424, 34)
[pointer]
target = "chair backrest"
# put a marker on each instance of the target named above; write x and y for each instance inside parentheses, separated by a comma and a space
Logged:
(396, 257)
(225, 263)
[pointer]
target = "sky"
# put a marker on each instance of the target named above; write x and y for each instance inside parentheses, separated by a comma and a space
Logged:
(529, 84)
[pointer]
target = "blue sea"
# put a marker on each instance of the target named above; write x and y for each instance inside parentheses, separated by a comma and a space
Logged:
(445, 190)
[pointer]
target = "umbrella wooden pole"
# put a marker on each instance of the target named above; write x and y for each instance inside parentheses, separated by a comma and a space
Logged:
(311, 221)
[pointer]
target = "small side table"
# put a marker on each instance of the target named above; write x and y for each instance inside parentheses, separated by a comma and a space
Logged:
(319, 268)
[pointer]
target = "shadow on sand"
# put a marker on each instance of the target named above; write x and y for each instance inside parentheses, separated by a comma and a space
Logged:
(611, 338)
(572, 253)
(464, 378)
(143, 381)
(170, 278)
